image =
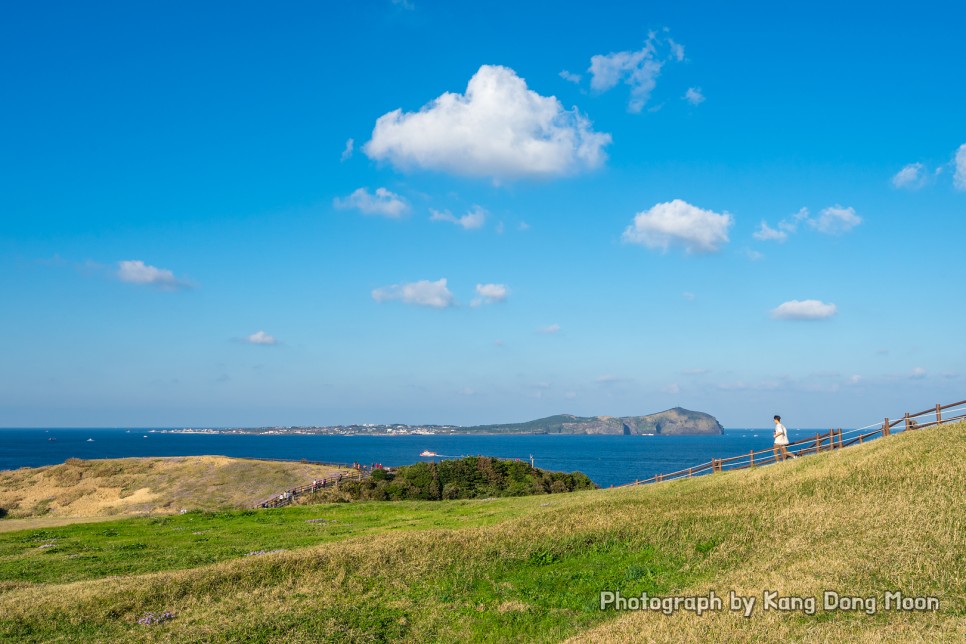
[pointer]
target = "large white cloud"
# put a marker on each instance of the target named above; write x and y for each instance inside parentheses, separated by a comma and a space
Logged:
(678, 223)
(835, 220)
(638, 69)
(383, 203)
(422, 293)
(490, 294)
(498, 129)
(959, 178)
(135, 271)
(804, 310)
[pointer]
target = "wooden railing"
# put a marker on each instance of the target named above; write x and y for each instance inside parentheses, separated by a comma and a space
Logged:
(821, 442)
(286, 497)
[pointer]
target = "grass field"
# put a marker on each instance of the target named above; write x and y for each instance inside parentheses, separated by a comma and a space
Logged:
(80, 488)
(885, 516)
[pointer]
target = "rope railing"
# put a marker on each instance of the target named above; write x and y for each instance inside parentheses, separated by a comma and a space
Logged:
(831, 440)
(286, 497)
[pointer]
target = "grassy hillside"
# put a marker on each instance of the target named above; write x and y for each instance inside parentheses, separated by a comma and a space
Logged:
(883, 516)
(80, 488)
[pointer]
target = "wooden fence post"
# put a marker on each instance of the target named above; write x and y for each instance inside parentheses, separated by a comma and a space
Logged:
(689, 471)
(751, 456)
(885, 427)
(907, 421)
(939, 414)
(840, 438)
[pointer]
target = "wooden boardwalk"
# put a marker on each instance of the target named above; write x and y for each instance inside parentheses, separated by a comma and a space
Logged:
(821, 442)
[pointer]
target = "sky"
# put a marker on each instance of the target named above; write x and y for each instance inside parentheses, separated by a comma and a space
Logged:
(247, 213)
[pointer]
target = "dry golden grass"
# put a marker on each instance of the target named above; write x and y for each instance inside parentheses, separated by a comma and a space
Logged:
(888, 515)
(113, 487)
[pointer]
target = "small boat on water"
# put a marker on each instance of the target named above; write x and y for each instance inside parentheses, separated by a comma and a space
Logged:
(90, 440)
(51, 438)
(426, 452)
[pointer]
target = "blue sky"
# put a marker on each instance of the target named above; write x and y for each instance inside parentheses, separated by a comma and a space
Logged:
(245, 214)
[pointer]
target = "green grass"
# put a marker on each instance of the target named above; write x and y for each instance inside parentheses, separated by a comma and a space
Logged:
(882, 516)
(152, 544)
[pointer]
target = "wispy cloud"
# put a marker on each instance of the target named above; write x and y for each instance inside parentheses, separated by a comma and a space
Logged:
(490, 294)
(347, 151)
(422, 293)
(135, 271)
(959, 178)
(911, 177)
(262, 338)
(678, 223)
(570, 77)
(550, 329)
(472, 220)
(383, 203)
(694, 96)
(804, 310)
(835, 220)
(639, 69)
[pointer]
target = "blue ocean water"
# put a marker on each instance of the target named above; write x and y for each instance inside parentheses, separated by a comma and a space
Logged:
(607, 460)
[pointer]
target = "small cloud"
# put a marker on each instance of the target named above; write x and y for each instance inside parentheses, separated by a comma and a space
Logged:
(754, 255)
(570, 395)
(959, 178)
(882, 352)
(383, 203)
(260, 337)
(490, 294)
(472, 220)
(422, 293)
(408, 5)
(569, 77)
(499, 228)
(918, 373)
(673, 389)
(347, 152)
(549, 329)
(835, 220)
(688, 295)
(499, 344)
(134, 271)
(804, 310)
(767, 233)
(609, 379)
(467, 391)
(855, 379)
(678, 223)
(911, 177)
(523, 226)
(638, 69)
(694, 96)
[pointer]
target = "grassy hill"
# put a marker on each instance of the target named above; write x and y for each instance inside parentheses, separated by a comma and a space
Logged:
(883, 516)
(108, 487)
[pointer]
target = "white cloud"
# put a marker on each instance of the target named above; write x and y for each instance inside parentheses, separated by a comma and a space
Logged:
(422, 293)
(498, 129)
(383, 203)
(911, 177)
(260, 337)
(959, 179)
(688, 295)
(549, 329)
(523, 226)
(918, 373)
(694, 96)
(804, 310)
(855, 379)
(678, 223)
(638, 69)
(347, 152)
(570, 77)
(135, 271)
(470, 221)
(753, 255)
(767, 233)
(405, 4)
(835, 220)
(500, 228)
(672, 389)
(490, 294)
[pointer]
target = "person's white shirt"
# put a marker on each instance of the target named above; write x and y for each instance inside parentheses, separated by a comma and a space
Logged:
(781, 434)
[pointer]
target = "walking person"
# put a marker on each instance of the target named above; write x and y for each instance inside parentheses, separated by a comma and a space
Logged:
(781, 441)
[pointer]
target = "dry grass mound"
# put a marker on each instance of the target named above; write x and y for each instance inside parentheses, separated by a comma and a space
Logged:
(80, 488)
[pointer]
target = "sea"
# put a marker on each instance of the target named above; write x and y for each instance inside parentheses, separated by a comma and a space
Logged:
(607, 460)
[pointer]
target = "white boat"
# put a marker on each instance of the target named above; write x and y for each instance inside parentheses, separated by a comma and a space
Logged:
(426, 452)
(90, 440)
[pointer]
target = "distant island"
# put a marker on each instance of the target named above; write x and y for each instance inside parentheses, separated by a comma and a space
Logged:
(672, 422)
